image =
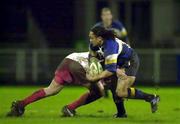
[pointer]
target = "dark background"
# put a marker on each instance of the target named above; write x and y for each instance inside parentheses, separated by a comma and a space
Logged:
(62, 23)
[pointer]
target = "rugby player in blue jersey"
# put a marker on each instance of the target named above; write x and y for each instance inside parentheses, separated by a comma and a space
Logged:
(120, 69)
(120, 60)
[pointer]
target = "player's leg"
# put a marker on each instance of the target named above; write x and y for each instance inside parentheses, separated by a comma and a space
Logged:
(122, 87)
(18, 107)
(52, 89)
(121, 111)
(125, 90)
(153, 99)
(119, 102)
(125, 82)
(126, 75)
(95, 92)
(106, 95)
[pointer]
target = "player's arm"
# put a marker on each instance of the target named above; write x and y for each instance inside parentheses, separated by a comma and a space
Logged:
(102, 75)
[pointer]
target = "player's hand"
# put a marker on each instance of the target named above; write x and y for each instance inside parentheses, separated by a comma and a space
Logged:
(121, 73)
(90, 78)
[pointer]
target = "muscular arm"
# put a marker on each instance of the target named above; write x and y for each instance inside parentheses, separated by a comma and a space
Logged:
(102, 75)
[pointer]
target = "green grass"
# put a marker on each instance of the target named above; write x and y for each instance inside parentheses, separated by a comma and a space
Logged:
(47, 110)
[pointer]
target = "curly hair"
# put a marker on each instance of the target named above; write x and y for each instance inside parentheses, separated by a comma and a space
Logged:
(103, 32)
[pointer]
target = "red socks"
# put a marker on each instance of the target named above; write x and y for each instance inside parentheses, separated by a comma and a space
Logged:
(85, 99)
(78, 102)
(34, 97)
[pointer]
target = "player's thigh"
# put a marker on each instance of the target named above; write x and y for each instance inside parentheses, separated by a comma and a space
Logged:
(122, 85)
(134, 65)
(131, 80)
(132, 71)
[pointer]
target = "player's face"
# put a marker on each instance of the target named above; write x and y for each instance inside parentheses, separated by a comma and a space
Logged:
(95, 41)
(106, 17)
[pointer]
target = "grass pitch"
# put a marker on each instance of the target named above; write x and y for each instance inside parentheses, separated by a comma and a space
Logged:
(47, 111)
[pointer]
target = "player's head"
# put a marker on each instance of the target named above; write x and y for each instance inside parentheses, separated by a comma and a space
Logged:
(99, 34)
(106, 16)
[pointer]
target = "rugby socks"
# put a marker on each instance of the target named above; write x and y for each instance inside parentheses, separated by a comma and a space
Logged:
(32, 98)
(120, 107)
(78, 102)
(138, 94)
(84, 99)
(92, 97)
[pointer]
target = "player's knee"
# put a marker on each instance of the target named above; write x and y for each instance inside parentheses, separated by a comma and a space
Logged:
(51, 91)
(101, 91)
(121, 93)
(53, 88)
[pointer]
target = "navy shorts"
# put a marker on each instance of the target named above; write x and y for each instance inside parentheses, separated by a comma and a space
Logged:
(134, 63)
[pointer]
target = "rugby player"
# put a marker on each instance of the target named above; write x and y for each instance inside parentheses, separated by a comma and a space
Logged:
(71, 71)
(120, 59)
(116, 25)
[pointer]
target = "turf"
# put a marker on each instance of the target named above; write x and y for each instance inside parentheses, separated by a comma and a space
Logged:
(47, 111)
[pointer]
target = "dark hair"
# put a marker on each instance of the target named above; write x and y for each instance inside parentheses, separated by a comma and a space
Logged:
(103, 32)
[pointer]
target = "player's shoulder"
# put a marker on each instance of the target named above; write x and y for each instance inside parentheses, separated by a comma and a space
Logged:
(117, 23)
(110, 47)
(110, 43)
(98, 24)
(120, 42)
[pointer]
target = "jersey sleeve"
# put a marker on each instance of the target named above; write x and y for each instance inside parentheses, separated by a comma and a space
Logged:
(98, 24)
(123, 31)
(111, 55)
(119, 25)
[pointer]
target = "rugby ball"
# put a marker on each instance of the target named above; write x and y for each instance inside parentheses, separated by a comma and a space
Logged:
(95, 67)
